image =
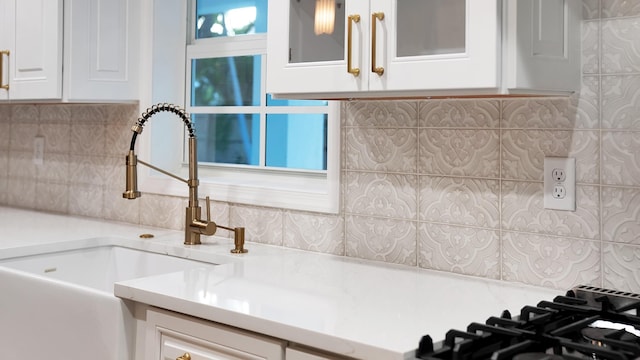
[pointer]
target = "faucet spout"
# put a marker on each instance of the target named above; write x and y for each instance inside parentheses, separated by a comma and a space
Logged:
(194, 225)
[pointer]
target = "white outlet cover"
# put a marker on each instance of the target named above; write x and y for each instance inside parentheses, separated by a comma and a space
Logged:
(569, 183)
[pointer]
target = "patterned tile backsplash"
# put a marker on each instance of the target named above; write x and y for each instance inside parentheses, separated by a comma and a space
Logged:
(450, 185)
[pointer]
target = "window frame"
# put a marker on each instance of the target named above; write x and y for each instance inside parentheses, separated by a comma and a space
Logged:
(305, 190)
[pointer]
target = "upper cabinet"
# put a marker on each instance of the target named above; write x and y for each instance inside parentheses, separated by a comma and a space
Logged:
(91, 55)
(347, 48)
(31, 49)
(101, 51)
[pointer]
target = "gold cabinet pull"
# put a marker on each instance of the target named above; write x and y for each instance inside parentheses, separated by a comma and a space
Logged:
(376, 69)
(2, 54)
(186, 356)
(352, 19)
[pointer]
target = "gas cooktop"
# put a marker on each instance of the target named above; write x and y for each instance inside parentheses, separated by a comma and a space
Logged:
(586, 323)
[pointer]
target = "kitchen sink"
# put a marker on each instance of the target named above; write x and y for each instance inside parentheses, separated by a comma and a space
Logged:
(100, 267)
(64, 300)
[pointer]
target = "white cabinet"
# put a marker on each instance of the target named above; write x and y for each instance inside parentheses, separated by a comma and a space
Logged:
(101, 50)
(171, 336)
(31, 41)
(428, 48)
(90, 56)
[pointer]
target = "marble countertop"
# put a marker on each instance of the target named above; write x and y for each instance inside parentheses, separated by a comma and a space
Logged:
(347, 306)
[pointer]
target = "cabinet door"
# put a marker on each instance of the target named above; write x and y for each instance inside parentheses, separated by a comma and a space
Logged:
(35, 64)
(101, 47)
(175, 347)
(435, 44)
(304, 59)
(7, 21)
(543, 45)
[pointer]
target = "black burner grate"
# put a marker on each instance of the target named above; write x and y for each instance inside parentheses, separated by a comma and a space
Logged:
(559, 329)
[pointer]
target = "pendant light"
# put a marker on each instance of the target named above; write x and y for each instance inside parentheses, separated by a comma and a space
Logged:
(325, 17)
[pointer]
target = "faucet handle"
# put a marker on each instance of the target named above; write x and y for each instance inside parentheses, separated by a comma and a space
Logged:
(208, 202)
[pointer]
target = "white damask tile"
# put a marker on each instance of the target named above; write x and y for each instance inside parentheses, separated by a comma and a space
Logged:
(4, 191)
(591, 47)
(163, 211)
(57, 137)
(86, 200)
(53, 197)
(388, 195)
(55, 167)
(5, 134)
(590, 9)
(586, 104)
(459, 113)
(620, 160)
(620, 215)
(314, 232)
(88, 139)
(21, 192)
(122, 113)
(118, 138)
(114, 172)
(220, 213)
(554, 113)
(459, 152)
(5, 113)
(261, 225)
(388, 240)
(621, 45)
(90, 114)
(462, 201)
(523, 153)
(4, 163)
(553, 262)
(523, 210)
(55, 113)
(115, 207)
(618, 8)
(25, 114)
(621, 264)
(462, 250)
(21, 165)
(620, 107)
(22, 135)
(90, 170)
(381, 113)
(390, 150)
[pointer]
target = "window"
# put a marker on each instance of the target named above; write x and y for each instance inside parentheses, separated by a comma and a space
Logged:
(252, 148)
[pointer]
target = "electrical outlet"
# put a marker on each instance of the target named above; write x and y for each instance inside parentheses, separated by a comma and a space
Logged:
(560, 183)
(558, 174)
(559, 192)
(38, 150)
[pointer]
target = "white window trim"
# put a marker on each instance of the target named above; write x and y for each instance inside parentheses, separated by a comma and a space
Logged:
(297, 190)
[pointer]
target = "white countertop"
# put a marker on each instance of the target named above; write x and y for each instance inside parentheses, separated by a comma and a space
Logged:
(357, 308)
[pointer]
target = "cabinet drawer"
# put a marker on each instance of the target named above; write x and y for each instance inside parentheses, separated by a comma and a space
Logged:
(170, 336)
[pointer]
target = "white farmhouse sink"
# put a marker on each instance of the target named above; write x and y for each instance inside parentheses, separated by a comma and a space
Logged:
(61, 304)
(100, 267)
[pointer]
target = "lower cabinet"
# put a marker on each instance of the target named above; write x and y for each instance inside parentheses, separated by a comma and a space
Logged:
(171, 336)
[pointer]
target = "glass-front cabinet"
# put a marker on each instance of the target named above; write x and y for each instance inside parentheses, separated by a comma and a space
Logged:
(349, 48)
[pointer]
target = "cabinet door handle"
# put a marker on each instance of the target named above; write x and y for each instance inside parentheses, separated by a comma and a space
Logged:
(376, 69)
(186, 356)
(350, 21)
(2, 54)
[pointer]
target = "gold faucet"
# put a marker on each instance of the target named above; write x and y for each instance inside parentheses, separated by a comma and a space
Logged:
(194, 225)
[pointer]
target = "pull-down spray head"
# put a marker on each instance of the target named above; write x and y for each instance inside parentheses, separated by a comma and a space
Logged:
(131, 189)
